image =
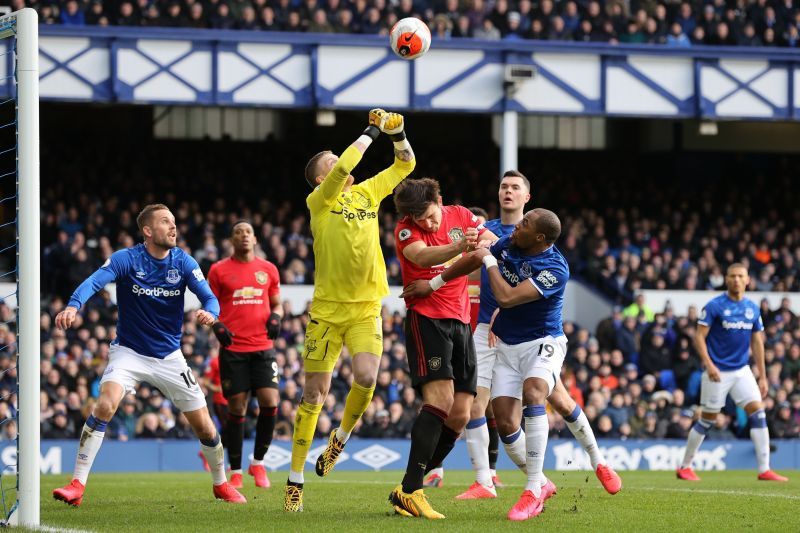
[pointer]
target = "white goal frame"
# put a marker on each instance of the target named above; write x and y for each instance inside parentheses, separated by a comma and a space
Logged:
(23, 25)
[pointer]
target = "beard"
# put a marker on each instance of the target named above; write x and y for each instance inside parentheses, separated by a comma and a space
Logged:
(165, 242)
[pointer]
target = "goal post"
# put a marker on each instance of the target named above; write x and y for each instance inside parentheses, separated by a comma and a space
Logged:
(22, 27)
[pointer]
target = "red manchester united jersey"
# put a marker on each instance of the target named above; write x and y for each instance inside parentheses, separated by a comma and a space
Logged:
(212, 373)
(474, 290)
(451, 300)
(243, 291)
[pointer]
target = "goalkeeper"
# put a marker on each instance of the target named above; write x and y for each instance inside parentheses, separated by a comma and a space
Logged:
(349, 285)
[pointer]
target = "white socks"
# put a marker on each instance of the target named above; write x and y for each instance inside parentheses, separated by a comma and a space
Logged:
(215, 456)
(515, 448)
(536, 429)
(696, 436)
(759, 434)
(477, 446)
(91, 439)
(578, 424)
(296, 477)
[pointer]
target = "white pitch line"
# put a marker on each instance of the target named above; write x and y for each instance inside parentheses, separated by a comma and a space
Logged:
(726, 492)
(624, 489)
(52, 529)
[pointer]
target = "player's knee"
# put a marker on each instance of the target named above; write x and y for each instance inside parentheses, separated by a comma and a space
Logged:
(477, 411)
(535, 391)
(457, 421)
(506, 427)
(364, 377)
(104, 408)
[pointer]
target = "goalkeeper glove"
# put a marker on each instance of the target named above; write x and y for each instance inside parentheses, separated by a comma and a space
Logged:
(223, 334)
(273, 326)
(389, 123)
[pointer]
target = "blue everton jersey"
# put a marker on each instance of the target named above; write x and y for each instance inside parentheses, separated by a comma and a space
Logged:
(149, 297)
(731, 325)
(548, 272)
(488, 303)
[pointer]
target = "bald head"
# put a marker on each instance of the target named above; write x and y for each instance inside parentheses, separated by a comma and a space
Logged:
(548, 224)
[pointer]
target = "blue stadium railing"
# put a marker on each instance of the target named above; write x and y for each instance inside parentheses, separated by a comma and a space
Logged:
(290, 70)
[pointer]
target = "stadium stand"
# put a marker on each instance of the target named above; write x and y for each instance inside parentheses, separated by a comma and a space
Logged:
(681, 24)
(636, 376)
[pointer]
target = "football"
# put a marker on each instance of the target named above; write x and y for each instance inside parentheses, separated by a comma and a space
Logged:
(410, 38)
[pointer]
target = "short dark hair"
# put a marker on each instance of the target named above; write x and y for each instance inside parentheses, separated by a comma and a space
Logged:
(479, 212)
(517, 174)
(548, 223)
(736, 265)
(242, 221)
(145, 217)
(412, 197)
(311, 168)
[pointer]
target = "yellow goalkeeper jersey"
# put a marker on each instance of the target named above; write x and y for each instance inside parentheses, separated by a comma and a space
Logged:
(349, 265)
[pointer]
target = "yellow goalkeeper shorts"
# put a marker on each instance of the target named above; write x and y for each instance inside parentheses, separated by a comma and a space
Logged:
(332, 324)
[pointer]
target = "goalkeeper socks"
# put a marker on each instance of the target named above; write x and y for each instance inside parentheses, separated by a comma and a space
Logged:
(357, 401)
(515, 448)
(264, 429)
(536, 428)
(305, 423)
(215, 456)
(447, 441)
(234, 429)
(91, 439)
(477, 443)
(424, 438)
(759, 434)
(494, 443)
(696, 436)
(578, 424)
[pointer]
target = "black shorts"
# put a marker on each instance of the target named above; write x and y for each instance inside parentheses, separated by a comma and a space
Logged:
(247, 371)
(440, 349)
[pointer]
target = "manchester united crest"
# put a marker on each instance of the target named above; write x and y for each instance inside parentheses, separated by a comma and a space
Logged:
(435, 363)
(456, 234)
(261, 278)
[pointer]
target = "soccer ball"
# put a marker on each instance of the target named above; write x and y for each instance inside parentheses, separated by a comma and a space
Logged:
(410, 38)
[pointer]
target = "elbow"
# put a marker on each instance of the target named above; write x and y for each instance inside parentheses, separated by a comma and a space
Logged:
(504, 301)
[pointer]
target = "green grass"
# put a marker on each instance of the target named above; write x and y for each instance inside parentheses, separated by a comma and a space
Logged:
(649, 501)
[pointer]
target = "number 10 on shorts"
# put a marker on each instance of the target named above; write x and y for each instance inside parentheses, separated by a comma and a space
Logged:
(189, 378)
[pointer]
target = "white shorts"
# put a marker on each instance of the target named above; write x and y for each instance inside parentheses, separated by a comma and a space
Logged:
(541, 358)
(486, 356)
(740, 384)
(171, 375)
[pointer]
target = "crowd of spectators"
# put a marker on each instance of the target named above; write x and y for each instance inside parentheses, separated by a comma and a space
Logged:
(667, 22)
(640, 223)
(636, 377)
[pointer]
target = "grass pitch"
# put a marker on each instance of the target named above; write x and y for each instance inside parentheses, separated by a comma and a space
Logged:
(349, 501)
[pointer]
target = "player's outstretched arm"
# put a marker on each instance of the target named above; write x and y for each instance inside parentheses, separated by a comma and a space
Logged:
(104, 275)
(197, 283)
(505, 294)
(336, 179)
(392, 124)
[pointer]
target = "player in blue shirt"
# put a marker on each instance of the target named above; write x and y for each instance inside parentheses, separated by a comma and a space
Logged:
(513, 194)
(151, 279)
(528, 276)
(729, 329)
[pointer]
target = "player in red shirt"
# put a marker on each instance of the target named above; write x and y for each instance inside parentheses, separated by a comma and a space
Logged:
(435, 478)
(248, 289)
(441, 352)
